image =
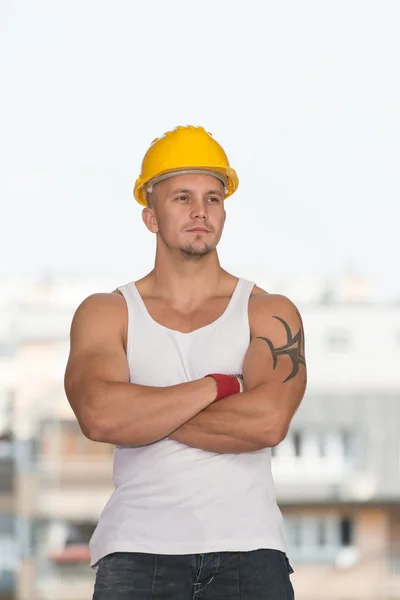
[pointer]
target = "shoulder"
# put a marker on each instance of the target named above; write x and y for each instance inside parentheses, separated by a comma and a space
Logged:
(102, 309)
(262, 302)
(272, 312)
(102, 301)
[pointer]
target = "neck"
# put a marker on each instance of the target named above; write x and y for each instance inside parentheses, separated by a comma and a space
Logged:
(186, 281)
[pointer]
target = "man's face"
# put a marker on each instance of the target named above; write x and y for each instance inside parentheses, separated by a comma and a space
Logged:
(188, 213)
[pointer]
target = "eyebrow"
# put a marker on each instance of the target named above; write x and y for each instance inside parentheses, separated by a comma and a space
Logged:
(185, 191)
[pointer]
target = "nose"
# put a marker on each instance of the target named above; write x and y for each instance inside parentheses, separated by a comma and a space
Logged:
(199, 210)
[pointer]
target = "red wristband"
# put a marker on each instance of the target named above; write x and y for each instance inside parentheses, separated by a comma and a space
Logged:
(227, 385)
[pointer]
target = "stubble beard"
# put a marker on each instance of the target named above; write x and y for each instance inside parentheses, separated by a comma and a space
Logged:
(195, 251)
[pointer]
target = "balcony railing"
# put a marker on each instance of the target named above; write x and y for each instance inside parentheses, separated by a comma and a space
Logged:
(65, 575)
(86, 470)
(393, 562)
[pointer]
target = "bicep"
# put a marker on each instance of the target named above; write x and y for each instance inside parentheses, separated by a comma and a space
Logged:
(96, 347)
(275, 358)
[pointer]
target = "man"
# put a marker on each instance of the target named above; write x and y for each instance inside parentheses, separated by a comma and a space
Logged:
(193, 374)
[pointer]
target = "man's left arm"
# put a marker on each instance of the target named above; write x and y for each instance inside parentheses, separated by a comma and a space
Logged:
(274, 376)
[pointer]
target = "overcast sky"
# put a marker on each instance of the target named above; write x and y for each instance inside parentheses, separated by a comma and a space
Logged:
(304, 96)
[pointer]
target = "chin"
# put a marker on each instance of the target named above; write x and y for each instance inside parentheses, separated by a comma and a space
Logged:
(196, 250)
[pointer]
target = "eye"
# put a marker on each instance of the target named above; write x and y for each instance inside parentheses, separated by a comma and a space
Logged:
(213, 200)
(182, 198)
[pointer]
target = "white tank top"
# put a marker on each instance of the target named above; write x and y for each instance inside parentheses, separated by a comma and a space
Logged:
(171, 498)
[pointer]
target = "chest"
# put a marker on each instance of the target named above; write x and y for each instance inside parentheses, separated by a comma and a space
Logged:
(163, 357)
(189, 320)
(182, 349)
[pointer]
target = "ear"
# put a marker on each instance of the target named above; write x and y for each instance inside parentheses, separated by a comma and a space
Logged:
(149, 219)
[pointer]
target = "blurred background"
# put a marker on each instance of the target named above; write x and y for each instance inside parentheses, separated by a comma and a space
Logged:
(304, 96)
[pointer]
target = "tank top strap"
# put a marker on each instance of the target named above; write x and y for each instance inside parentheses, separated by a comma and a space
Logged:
(132, 296)
(242, 293)
(238, 302)
(136, 311)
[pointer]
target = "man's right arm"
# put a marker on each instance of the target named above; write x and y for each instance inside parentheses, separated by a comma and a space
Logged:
(108, 407)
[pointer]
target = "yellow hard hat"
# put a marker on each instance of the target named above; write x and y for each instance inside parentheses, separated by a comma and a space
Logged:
(184, 149)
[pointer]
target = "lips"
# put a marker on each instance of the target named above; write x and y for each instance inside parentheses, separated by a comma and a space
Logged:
(198, 229)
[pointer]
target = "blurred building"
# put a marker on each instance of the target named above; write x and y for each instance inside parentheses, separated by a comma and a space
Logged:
(8, 518)
(337, 473)
(8, 546)
(61, 480)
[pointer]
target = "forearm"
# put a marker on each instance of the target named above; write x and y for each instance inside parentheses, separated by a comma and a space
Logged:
(136, 415)
(232, 425)
(274, 373)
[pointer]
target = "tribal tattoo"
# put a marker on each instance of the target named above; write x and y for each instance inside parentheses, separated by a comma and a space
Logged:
(292, 349)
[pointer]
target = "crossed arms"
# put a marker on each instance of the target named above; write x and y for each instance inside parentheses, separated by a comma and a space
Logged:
(111, 409)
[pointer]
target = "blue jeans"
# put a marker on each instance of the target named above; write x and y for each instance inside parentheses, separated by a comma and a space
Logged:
(255, 575)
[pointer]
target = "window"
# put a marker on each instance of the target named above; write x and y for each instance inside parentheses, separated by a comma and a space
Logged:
(6, 410)
(331, 444)
(293, 530)
(346, 441)
(322, 443)
(346, 532)
(69, 546)
(318, 539)
(338, 341)
(296, 435)
(79, 533)
(6, 449)
(321, 532)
